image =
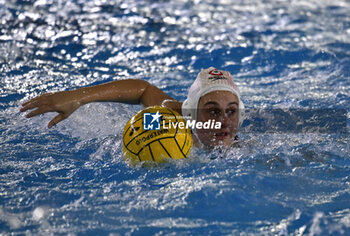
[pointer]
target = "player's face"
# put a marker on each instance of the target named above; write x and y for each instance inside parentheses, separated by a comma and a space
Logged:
(220, 106)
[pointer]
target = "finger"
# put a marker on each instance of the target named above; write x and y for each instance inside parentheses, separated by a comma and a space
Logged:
(23, 109)
(27, 102)
(56, 120)
(32, 103)
(39, 111)
(29, 105)
(35, 99)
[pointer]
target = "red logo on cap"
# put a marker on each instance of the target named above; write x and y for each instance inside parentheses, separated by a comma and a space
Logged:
(216, 72)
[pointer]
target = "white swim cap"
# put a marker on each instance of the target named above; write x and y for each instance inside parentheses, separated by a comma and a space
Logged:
(209, 80)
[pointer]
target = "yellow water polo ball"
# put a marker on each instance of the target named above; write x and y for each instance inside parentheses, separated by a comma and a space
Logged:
(156, 134)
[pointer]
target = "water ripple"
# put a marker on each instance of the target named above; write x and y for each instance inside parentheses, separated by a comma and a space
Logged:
(72, 179)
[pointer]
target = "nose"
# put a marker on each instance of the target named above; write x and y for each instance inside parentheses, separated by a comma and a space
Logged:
(225, 121)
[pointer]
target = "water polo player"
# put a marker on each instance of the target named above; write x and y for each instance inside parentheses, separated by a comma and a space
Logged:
(212, 96)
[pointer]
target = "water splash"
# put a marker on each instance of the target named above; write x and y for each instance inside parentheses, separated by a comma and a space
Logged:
(72, 179)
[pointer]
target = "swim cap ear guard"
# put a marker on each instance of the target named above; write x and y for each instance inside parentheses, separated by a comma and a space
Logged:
(209, 80)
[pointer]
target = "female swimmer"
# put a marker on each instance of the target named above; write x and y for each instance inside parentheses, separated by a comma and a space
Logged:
(212, 96)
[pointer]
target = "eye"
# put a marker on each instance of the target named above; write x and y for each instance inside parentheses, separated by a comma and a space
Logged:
(214, 112)
(231, 111)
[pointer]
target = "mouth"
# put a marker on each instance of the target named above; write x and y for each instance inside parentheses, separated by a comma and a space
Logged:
(222, 135)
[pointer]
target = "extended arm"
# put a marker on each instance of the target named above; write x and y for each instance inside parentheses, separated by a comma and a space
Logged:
(131, 91)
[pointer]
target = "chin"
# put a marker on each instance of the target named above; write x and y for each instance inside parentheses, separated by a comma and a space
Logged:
(225, 142)
(222, 141)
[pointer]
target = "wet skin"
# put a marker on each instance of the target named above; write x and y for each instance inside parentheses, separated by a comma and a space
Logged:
(219, 106)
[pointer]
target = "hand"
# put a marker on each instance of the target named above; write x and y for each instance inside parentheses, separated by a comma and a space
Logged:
(65, 103)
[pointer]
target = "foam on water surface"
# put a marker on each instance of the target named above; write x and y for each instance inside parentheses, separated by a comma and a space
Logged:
(72, 179)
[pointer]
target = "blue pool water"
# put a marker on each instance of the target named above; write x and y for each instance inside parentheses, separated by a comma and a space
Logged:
(72, 179)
